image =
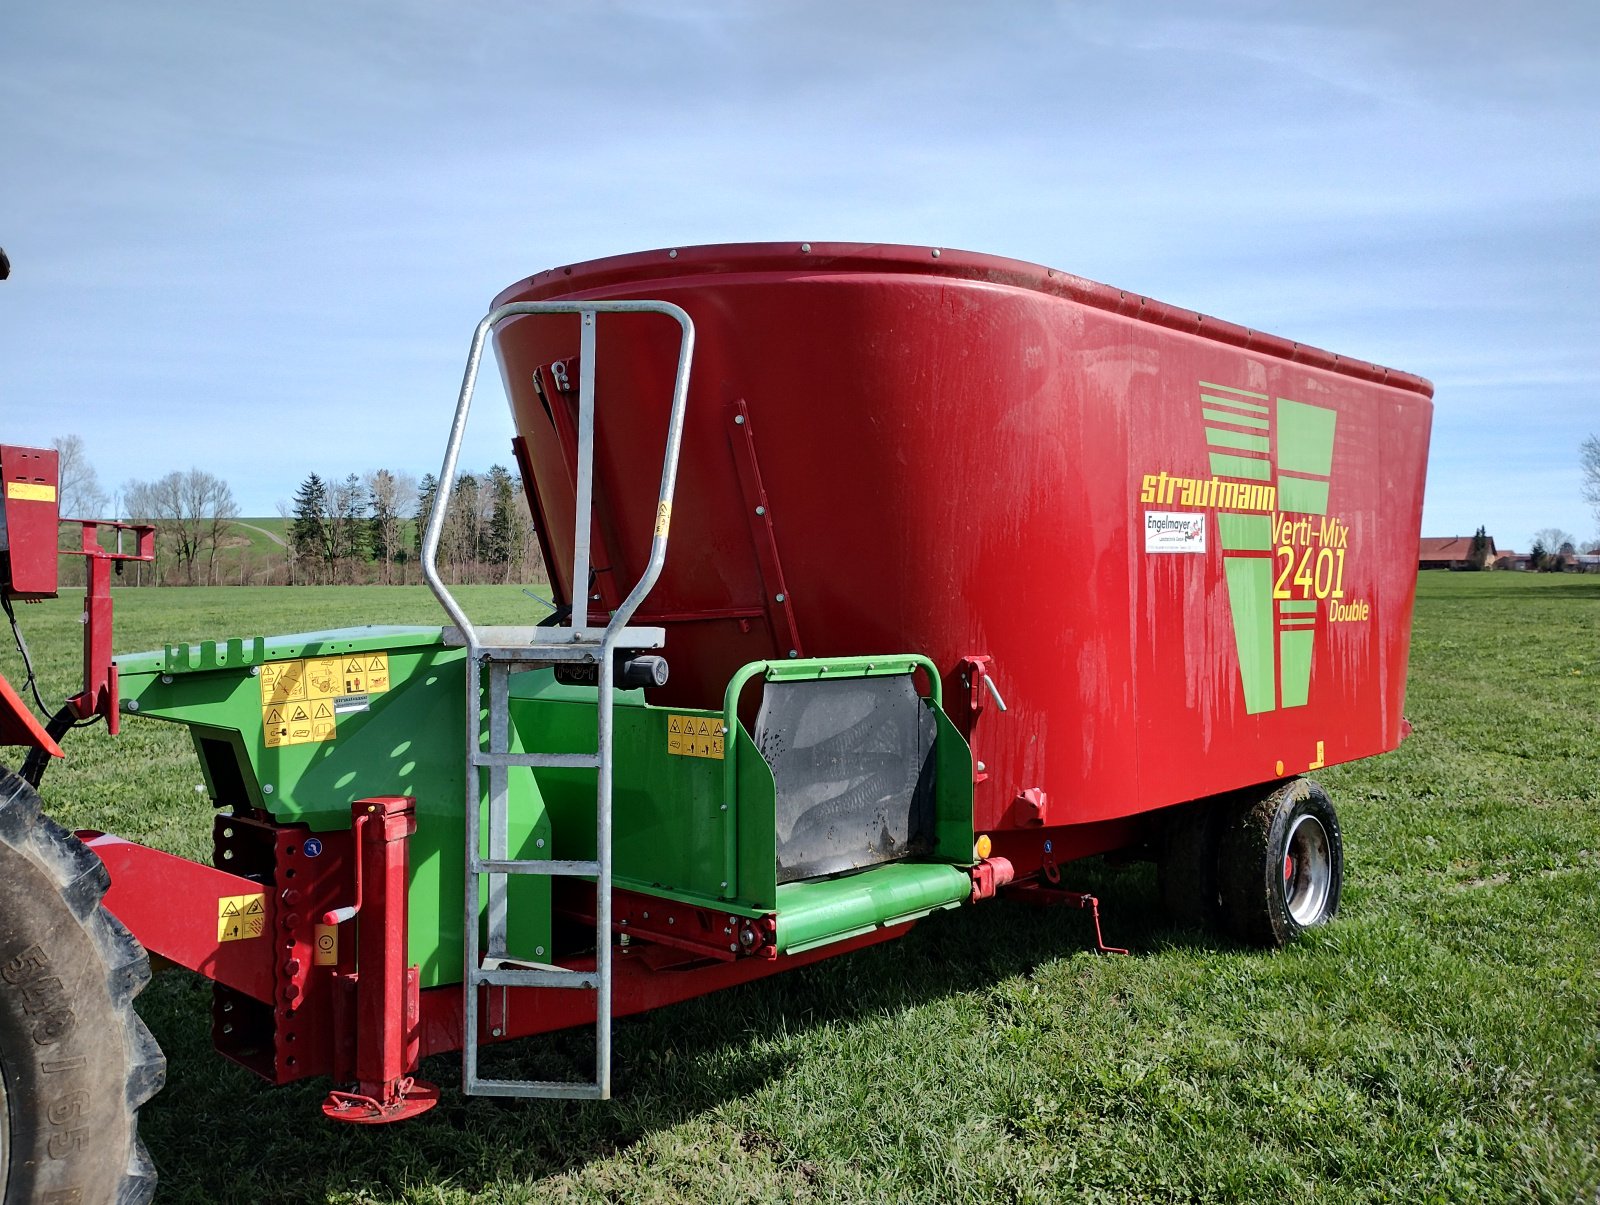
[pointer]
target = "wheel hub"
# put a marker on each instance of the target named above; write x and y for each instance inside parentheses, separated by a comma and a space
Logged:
(1307, 870)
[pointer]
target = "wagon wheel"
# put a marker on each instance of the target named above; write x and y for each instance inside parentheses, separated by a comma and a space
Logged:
(76, 1062)
(1281, 867)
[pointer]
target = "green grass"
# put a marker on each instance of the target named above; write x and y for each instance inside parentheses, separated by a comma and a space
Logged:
(1439, 1042)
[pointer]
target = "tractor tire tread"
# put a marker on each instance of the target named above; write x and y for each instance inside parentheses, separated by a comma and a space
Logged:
(115, 1165)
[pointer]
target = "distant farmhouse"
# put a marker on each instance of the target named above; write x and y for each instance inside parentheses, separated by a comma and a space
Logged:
(1454, 552)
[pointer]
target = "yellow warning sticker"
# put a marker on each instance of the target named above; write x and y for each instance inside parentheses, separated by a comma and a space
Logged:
(694, 736)
(299, 699)
(282, 680)
(326, 953)
(241, 917)
(663, 519)
(29, 491)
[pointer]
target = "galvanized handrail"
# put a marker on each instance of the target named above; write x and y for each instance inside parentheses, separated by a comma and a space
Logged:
(577, 633)
(588, 310)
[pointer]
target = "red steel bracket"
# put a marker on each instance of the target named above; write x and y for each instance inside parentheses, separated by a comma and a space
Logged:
(980, 686)
(99, 693)
(758, 513)
(387, 1005)
(1041, 896)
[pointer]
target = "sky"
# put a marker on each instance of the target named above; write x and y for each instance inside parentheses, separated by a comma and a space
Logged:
(255, 239)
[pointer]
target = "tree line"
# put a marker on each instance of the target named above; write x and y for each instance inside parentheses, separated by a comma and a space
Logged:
(370, 529)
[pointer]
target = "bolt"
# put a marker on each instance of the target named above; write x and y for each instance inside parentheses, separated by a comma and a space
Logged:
(724, 882)
(495, 1032)
(266, 788)
(724, 807)
(672, 920)
(539, 844)
(982, 767)
(647, 916)
(936, 253)
(761, 510)
(738, 420)
(727, 932)
(539, 950)
(733, 946)
(133, 704)
(794, 652)
(672, 254)
(255, 671)
(806, 247)
(777, 598)
(166, 679)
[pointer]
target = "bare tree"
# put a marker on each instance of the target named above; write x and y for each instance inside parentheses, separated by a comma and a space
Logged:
(78, 486)
(1550, 546)
(390, 497)
(193, 509)
(1589, 460)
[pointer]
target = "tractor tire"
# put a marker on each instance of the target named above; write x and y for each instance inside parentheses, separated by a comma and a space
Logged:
(1281, 868)
(1186, 864)
(76, 1062)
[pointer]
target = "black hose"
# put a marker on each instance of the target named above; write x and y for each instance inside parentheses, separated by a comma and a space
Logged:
(33, 766)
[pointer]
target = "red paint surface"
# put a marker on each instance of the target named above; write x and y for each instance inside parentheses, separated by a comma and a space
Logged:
(636, 988)
(30, 523)
(952, 450)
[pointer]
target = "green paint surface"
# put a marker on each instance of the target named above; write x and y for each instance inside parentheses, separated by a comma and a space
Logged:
(1237, 439)
(1303, 496)
(1243, 420)
(1232, 389)
(1295, 649)
(822, 911)
(1290, 605)
(1244, 533)
(1250, 600)
(409, 741)
(1305, 438)
(1224, 465)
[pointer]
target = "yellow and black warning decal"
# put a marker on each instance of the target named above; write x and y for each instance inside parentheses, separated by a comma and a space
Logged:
(241, 917)
(695, 736)
(326, 953)
(301, 701)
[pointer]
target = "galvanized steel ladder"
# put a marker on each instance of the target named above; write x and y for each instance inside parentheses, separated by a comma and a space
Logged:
(502, 650)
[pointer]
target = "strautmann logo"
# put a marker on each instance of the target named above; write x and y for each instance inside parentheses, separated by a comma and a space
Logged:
(1283, 554)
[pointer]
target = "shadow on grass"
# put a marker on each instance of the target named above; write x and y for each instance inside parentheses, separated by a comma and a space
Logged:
(217, 1134)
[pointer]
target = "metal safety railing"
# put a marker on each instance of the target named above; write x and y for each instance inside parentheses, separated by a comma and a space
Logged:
(501, 650)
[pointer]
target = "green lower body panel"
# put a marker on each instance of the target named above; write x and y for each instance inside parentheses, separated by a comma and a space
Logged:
(819, 911)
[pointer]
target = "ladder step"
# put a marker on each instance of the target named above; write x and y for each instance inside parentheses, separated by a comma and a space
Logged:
(552, 866)
(531, 645)
(530, 977)
(565, 761)
(554, 1089)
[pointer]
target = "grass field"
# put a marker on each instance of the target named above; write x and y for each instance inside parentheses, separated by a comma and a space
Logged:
(1440, 1042)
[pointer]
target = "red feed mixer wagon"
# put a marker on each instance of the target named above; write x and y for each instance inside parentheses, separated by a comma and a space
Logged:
(964, 569)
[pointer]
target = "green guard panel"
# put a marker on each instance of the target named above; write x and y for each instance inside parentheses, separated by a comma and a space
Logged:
(819, 912)
(407, 739)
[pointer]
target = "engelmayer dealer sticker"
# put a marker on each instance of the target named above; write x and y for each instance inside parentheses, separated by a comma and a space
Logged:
(1174, 531)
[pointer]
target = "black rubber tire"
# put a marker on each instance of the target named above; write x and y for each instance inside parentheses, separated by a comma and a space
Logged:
(1186, 864)
(76, 1062)
(1260, 899)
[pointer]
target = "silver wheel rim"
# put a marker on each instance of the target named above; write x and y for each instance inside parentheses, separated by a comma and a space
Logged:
(1307, 870)
(5, 1134)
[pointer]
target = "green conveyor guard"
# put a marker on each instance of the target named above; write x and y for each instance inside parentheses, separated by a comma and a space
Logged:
(819, 912)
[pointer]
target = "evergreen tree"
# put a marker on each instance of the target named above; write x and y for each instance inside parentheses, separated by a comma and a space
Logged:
(311, 530)
(1478, 554)
(506, 534)
(347, 504)
(427, 491)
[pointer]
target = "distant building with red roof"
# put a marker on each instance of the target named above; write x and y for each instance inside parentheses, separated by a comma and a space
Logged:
(1450, 552)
